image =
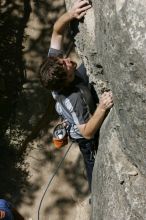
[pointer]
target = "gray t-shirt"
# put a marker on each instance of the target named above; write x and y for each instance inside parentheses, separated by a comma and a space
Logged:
(75, 105)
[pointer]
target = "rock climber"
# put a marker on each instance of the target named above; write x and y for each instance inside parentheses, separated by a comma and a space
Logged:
(70, 87)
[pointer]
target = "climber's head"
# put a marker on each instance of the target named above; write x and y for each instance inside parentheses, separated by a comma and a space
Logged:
(56, 73)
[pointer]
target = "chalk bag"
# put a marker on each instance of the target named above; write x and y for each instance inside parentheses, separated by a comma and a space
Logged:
(60, 136)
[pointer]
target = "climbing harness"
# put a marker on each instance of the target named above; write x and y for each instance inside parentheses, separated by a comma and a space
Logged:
(51, 179)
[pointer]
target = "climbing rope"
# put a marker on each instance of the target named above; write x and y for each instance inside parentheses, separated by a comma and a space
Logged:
(50, 181)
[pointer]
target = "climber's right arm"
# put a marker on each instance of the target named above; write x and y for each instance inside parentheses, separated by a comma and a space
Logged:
(76, 12)
(89, 129)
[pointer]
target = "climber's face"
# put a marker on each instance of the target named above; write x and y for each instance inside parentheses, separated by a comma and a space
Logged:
(70, 67)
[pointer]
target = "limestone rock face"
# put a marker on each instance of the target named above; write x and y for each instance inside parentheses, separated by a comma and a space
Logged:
(112, 43)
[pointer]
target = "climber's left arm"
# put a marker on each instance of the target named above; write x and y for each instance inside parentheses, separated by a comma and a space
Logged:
(76, 12)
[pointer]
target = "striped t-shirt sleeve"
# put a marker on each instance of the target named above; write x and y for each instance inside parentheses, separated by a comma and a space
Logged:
(78, 109)
(55, 53)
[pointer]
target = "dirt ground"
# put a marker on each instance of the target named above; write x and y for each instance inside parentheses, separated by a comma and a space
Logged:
(67, 197)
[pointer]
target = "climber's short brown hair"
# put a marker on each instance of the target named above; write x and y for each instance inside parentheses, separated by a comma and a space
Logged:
(52, 73)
